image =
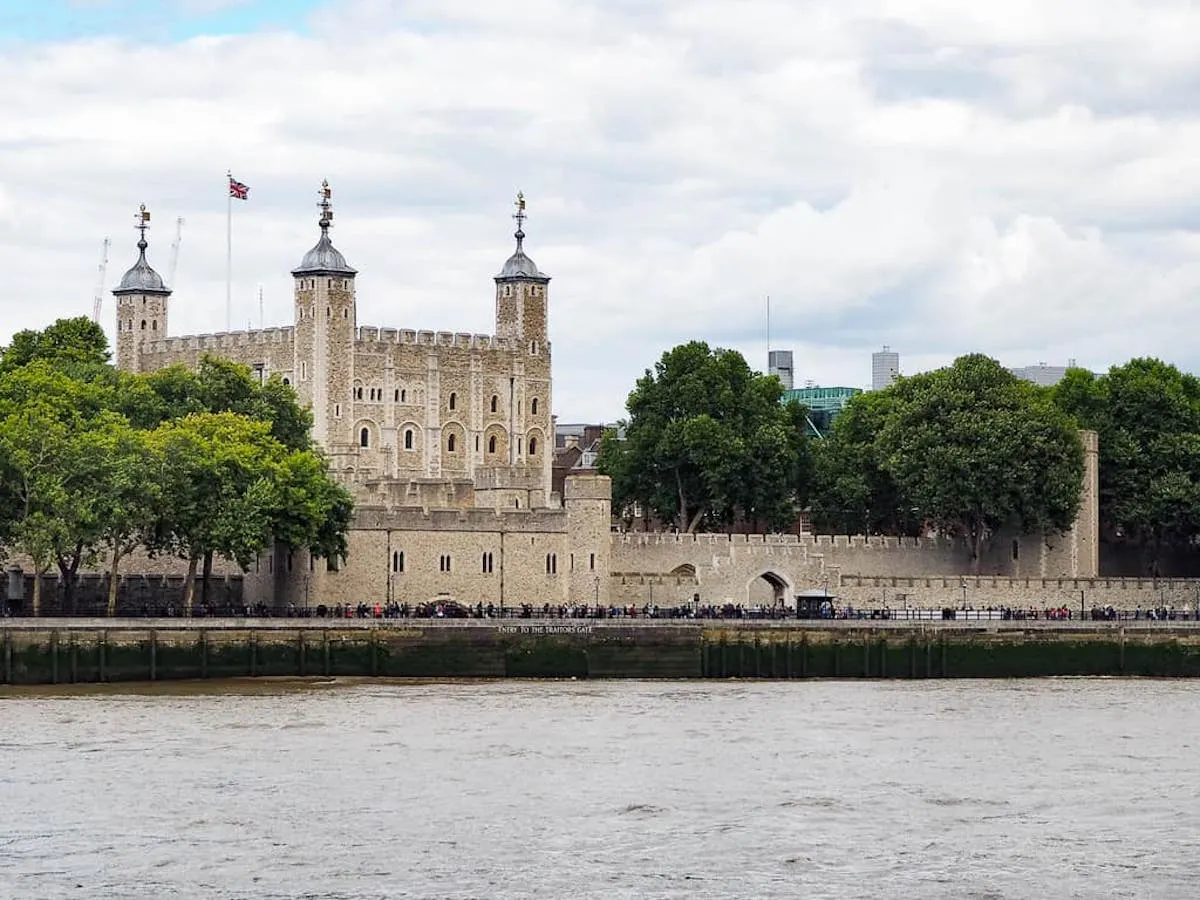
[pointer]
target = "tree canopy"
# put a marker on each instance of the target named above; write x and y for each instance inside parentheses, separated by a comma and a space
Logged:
(196, 464)
(707, 442)
(968, 450)
(1147, 416)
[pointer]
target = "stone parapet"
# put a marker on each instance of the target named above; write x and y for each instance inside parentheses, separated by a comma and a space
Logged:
(373, 334)
(220, 340)
(485, 519)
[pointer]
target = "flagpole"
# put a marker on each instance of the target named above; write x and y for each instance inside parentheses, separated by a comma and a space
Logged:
(228, 251)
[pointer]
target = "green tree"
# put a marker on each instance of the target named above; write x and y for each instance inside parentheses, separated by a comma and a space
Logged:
(77, 345)
(976, 449)
(314, 511)
(126, 495)
(707, 441)
(50, 424)
(853, 492)
(32, 439)
(1147, 416)
(214, 484)
(219, 385)
(228, 488)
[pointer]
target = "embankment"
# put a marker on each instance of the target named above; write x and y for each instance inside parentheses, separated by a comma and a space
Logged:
(40, 652)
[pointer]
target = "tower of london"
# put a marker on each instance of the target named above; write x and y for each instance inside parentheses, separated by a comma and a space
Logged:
(445, 439)
(413, 417)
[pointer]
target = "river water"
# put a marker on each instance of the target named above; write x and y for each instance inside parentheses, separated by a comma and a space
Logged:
(955, 789)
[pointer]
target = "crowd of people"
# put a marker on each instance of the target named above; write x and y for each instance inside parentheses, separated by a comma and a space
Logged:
(823, 609)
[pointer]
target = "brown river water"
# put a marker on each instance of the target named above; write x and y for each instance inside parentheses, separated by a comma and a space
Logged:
(1055, 788)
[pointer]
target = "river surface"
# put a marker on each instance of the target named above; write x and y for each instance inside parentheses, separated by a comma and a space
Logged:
(342, 789)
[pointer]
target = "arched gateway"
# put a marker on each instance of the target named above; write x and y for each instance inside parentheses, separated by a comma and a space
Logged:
(768, 589)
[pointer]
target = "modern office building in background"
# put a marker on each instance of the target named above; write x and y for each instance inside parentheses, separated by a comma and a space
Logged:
(885, 368)
(823, 405)
(779, 364)
(1042, 374)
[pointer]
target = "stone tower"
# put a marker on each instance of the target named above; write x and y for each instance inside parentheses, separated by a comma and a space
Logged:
(141, 304)
(588, 502)
(522, 294)
(522, 304)
(326, 320)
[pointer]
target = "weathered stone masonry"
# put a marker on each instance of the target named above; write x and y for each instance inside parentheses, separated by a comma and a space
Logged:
(447, 441)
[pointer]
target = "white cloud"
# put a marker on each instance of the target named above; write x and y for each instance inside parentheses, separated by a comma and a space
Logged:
(1016, 178)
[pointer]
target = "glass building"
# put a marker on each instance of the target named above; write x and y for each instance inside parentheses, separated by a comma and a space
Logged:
(823, 404)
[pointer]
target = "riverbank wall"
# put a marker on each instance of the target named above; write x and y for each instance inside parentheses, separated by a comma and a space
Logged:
(83, 651)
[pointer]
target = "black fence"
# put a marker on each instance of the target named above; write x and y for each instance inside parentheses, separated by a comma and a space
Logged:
(137, 595)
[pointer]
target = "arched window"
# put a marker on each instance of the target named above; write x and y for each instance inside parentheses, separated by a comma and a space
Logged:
(453, 399)
(403, 395)
(154, 325)
(495, 402)
(329, 312)
(364, 438)
(397, 395)
(492, 444)
(408, 439)
(533, 407)
(143, 324)
(286, 381)
(358, 393)
(450, 442)
(397, 560)
(532, 446)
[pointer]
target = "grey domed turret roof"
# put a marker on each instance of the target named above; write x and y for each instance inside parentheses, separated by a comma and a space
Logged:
(324, 258)
(520, 266)
(141, 279)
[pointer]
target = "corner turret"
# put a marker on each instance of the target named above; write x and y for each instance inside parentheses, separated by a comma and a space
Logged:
(522, 293)
(326, 319)
(141, 303)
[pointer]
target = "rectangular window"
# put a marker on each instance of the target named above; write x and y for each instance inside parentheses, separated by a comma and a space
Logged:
(331, 564)
(591, 562)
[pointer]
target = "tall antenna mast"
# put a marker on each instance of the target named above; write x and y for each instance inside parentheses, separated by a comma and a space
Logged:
(175, 253)
(260, 307)
(98, 294)
(768, 328)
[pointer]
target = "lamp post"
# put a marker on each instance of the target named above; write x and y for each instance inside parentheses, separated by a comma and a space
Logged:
(596, 583)
(962, 582)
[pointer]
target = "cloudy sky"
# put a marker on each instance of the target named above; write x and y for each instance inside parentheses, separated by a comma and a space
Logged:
(1019, 177)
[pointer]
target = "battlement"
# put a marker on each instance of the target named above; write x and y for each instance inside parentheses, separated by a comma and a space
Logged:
(221, 340)
(450, 520)
(704, 539)
(374, 334)
(587, 487)
(847, 541)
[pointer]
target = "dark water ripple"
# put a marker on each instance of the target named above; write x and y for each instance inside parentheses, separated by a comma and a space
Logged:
(1030, 789)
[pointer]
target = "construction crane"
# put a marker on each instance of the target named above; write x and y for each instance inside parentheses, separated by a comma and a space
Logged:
(98, 294)
(175, 253)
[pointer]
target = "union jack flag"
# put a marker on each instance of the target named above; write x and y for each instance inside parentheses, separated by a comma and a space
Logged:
(237, 190)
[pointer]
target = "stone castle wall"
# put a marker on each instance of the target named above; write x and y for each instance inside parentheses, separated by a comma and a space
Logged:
(503, 556)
